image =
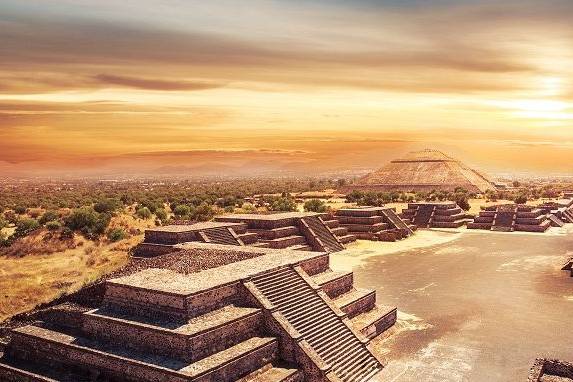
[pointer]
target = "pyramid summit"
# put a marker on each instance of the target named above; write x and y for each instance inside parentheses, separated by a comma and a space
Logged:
(424, 170)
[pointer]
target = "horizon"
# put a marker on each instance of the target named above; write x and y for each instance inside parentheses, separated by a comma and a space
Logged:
(95, 89)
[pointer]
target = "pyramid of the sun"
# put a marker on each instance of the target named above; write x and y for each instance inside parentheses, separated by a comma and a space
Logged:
(424, 170)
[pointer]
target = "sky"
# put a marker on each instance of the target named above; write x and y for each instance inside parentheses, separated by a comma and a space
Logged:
(167, 86)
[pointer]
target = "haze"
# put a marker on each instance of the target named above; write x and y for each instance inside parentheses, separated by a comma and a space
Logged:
(107, 87)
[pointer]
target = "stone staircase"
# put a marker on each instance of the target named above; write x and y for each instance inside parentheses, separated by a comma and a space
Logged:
(328, 240)
(318, 323)
(504, 221)
(423, 215)
(396, 221)
(113, 343)
(222, 235)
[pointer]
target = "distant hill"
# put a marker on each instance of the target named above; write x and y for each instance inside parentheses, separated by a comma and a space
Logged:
(424, 170)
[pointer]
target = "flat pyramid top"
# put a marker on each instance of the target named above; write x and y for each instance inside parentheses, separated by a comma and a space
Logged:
(424, 155)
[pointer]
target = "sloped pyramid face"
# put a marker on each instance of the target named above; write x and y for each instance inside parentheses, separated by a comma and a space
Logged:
(424, 170)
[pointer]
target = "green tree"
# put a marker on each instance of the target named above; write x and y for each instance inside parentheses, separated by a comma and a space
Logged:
(53, 225)
(26, 226)
(284, 204)
(116, 234)
(161, 214)
(107, 205)
(181, 210)
(143, 213)
(315, 205)
(521, 199)
(48, 216)
(203, 212)
(89, 222)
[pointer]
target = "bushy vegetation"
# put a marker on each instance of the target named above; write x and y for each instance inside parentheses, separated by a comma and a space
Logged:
(315, 205)
(25, 226)
(88, 222)
(283, 203)
(116, 234)
(143, 213)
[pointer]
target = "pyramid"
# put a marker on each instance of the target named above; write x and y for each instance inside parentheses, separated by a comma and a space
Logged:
(425, 171)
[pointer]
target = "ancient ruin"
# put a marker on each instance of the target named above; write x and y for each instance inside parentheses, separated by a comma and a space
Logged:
(307, 231)
(274, 315)
(435, 215)
(374, 223)
(425, 171)
(511, 217)
(551, 370)
(558, 212)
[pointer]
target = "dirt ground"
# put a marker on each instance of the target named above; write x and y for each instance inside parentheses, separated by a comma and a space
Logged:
(38, 278)
(473, 305)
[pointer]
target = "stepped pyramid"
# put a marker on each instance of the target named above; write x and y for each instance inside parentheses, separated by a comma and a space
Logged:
(424, 170)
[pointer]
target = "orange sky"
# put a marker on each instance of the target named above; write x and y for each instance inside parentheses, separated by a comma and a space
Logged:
(110, 87)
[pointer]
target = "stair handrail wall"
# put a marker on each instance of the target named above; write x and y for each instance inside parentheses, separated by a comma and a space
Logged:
(291, 344)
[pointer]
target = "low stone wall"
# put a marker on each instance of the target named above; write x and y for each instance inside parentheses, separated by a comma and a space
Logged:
(153, 250)
(361, 305)
(316, 265)
(550, 368)
(338, 286)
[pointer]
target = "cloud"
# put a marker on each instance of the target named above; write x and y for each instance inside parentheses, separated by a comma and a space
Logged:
(154, 84)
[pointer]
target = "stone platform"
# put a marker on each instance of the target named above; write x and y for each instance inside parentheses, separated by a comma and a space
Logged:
(551, 370)
(374, 223)
(435, 215)
(278, 315)
(290, 230)
(511, 217)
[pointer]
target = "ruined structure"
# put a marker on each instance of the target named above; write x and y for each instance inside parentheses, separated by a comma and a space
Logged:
(374, 223)
(511, 217)
(276, 315)
(551, 370)
(290, 230)
(424, 171)
(558, 212)
(435, 215)
(294, 230)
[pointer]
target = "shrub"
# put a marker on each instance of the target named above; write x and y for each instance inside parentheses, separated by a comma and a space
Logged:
(107, 205)
(248, 207)
(462, 201)
(143, 213)
(181, 210)
(3, 222)
(116, 234)
(521, 199)
(89, 222)
(53, 225)
(20, 210)
(161, 214)
(283, 204)
(315, 205)
(25, 226)
(203, 212)
(48, 216)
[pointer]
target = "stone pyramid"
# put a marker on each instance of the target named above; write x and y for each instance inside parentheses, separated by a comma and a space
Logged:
(424, 170)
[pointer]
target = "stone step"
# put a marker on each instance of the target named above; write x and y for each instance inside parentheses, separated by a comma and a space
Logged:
(332, 223)
(356, 301)
(276, 233)
(189, 340)
(376, 321)
(300, 247)
(249, 237)
(14, 370)
(347, 239)
(270, 373)
(323, 329)
(47, 346)
(334, 283)
(284, 242)
(339, 231)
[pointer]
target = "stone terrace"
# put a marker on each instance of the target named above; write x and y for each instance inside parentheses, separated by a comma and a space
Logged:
(290, 230)
(511, 217)
(277, 315)
(435, 215)
(374, 223)
(294, 230)
(551, 370)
